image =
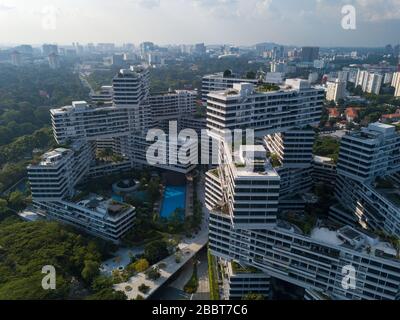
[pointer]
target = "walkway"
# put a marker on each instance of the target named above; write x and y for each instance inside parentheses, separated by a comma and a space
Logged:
(189, 248)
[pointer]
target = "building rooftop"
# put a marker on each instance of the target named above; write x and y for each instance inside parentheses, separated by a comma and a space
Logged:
(323, 160)
(53, 158)
(251, 160)
(246, 88)
(104, 206)
(357, 240)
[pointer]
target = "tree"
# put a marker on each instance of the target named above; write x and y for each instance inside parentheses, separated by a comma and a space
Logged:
(156, 251)
(3, 206)
(90, 270)
(253, 296)
(16, 200)
(227, 73)
(108, 294)
(153, 273)
(30, 246)
(143, 288)
(251, 75)
(141, 265)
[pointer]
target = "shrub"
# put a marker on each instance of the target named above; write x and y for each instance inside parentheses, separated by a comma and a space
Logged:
(141, 265)
(143, 288)
(153, 273)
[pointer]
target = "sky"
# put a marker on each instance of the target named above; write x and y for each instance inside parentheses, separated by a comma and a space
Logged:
(238, 22)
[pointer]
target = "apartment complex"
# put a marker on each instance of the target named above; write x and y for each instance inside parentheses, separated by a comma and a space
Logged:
(121, 125)
(245, 192)
(396, 84)
(218, 82)
(367, 196)
(369, 82)
(336, 90)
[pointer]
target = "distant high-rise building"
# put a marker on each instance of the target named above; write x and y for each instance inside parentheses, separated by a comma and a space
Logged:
(118, 60)
(90, 47)
(369, 82)
(279, 66)
(24, 49)
(374, 83)
(54, 61)
(396, 84)
(388, 78)
(106, 47)
(146, 47)
(309, 54)
(343, 76)
(16, 58)
(336, 90)
(48, 49)
(200, 49)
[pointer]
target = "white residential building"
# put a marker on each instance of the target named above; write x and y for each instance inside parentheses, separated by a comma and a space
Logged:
(366, 157)
(396, 84)
(335, 90)
(105, 95)
(243, 196)
(53, 183)
(374, 83)
(369, 82)
(122, 126)
(217, 82)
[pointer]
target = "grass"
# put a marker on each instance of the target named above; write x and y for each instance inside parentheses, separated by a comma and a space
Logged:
(214, 288)
(267, 88)
(193, 283)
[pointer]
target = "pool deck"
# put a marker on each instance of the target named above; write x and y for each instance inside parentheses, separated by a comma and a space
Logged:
(189, 246)
(189, 198)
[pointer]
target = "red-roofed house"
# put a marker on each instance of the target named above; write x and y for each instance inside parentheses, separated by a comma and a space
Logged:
(351, 114)
(390, 118)
(333, 113)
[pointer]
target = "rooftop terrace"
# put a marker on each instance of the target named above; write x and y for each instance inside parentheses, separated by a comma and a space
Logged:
(104, 206)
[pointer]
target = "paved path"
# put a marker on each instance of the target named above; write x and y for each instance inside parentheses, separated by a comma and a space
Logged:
(120, 261)
(189, 249)
(203, 291)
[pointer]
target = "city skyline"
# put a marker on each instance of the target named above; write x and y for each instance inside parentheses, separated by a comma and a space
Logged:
(189, 21)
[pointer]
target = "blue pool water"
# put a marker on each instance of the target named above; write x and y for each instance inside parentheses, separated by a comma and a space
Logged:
(117, 198)
(174, 198)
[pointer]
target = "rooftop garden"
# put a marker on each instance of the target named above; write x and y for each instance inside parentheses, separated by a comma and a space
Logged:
(238, 268)
(305, 223)
(267, 88)
(274, 159)
(215, 172)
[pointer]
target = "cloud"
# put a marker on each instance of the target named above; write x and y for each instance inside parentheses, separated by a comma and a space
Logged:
(6, 7)
(234, 8)
(378, 10)
(366, 10)
(148, 4)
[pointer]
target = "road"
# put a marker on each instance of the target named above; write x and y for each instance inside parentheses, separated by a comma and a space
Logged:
(203, 291)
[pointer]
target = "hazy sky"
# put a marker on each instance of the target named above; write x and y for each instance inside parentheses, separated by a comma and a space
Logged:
(241, 22)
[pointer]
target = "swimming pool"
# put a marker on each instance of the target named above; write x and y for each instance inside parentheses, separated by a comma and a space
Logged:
(117, 198)
(174, 198)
